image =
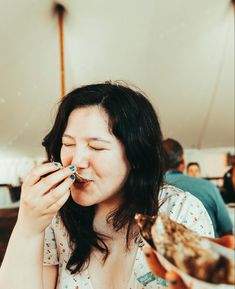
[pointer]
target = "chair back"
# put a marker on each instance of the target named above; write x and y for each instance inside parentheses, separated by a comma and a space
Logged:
(8, 219)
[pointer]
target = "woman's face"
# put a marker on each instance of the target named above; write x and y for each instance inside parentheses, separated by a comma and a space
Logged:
(97, 155)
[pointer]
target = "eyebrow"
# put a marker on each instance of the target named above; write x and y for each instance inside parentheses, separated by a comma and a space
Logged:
(90, 139)
(68, 136)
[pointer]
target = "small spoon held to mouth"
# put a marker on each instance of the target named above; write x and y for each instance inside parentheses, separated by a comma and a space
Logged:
(81, 179)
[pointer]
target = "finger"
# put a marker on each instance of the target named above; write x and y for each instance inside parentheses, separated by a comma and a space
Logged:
(37, 172)
(153, 263)
(57, 193)
(174, 281)
(55, 207)
(51, 181)
(226, 241)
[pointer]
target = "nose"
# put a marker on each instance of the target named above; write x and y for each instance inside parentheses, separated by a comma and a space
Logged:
(81, 158)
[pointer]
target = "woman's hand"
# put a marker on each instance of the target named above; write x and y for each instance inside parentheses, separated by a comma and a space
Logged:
(44, 192)
(173, 279)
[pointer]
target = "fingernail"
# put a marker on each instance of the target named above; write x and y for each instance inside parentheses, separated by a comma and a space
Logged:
(72, 168)
(72, 177)
(57, 165)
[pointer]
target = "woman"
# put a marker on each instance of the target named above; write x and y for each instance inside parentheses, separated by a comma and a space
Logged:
(110, 135)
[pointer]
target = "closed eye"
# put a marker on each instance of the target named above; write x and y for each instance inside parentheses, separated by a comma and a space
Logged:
(97, 148)
(68, 144)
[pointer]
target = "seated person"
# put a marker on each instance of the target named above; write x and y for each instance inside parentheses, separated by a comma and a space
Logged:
(228, 189)
(193, 169)
(204, 190)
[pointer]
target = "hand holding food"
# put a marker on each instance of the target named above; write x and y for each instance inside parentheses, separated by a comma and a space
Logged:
(44, 192)
(187, 251)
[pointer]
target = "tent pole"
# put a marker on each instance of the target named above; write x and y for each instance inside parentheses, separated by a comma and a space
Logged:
(60, 11)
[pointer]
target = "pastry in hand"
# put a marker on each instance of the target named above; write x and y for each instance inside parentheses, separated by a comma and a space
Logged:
(186, 250)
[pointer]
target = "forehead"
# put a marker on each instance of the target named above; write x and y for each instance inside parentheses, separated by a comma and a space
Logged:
(193, 167)
(90, 119)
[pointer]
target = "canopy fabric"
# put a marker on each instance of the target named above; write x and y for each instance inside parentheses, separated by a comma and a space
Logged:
(181, 53)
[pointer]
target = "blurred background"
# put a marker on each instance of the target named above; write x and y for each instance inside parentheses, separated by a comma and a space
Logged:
(181, 53)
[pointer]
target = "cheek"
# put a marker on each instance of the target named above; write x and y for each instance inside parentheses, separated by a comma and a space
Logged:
(66, 157)
(117, 167)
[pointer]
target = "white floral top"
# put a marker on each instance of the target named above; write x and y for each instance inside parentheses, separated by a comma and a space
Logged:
(180, 206)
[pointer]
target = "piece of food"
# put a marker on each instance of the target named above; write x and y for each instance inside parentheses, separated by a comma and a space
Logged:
(186, 249)
(80, 178)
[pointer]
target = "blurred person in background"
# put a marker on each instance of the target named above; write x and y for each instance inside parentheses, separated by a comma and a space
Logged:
(204, 190)
(228, 189)
(193, 169)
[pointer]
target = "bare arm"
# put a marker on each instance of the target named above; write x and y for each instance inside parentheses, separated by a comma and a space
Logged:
(50, 276)
(41, 198)
(27, 271)
(22, 264)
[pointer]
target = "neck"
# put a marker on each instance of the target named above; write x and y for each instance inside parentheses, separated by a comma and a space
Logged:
(181, 168)
(174, 170)
(100, 223)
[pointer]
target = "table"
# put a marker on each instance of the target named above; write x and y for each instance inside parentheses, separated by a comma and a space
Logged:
(5, 198)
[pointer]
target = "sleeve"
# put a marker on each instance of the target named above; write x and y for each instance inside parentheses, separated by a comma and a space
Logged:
(186, 209)
(223, 221)
(50, 247)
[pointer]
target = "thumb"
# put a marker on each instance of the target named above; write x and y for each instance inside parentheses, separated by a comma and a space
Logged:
(153, 263)
(174, 281)
(226, 241)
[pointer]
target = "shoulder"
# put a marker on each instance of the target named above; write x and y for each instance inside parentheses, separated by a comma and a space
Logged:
(174, 175)
(180, 180)
(172, 197)
(56, 229)
(171, 194)
(197, 185)
(208, 186)
(56, 243)
(185, 208)
(56, 223)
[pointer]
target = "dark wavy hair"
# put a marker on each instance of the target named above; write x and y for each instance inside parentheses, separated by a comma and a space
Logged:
(134, 122)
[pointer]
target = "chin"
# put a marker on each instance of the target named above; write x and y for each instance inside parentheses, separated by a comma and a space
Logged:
(81, 201)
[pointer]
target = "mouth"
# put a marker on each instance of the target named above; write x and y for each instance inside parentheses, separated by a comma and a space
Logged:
(81, 179)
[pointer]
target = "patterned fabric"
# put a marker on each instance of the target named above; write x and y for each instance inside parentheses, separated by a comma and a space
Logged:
(180, 206)
(208, 194)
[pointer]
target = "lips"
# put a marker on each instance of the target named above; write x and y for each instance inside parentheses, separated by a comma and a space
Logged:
(81, 179)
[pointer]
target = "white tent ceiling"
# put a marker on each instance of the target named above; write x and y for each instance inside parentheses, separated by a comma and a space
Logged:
(181, 53)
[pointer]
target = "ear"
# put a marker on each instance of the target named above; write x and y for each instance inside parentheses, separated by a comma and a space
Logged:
(182, 164)
(183, 161)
